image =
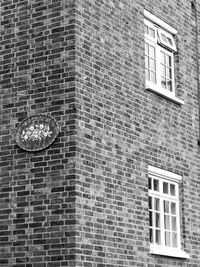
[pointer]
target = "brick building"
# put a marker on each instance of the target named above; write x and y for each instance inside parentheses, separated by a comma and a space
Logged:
(119, 186)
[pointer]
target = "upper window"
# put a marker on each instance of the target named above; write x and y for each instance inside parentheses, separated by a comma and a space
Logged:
(164, 214)
(159, 57)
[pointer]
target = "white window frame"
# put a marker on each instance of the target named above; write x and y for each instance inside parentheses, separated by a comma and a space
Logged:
(160, 44)
(174, 179)
(163, 42)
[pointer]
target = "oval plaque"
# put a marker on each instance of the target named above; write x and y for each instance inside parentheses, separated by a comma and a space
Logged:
(37, 132)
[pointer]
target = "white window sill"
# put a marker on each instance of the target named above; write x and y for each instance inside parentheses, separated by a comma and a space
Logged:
(166, 94)
(168, 252)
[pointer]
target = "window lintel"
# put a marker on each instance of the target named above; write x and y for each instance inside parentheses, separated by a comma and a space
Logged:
(164, 174)
(159, 22)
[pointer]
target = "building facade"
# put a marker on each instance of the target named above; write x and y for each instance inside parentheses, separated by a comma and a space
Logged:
(119, 186)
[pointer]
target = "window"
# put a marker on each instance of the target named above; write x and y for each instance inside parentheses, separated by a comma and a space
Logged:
(159, 57)
(164, 215)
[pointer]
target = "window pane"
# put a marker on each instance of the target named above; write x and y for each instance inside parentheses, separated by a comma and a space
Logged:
(156, 185)
(146, 29)
(167, 222)
(168, 61)
(169, 73)
(174, 225)
(162, 57)
(146, 62)
(173, 208)
(163, 82)
(152, 53)
(174, 240)
(170, 41)
(172, 190)
(165, 188)
(150, 203)
(157, 204)
(152, 32)
(152, 64)
(157, 220)
(169, 85)
(164, 37)
(147, 75)
(163, 70)
(167, 239)
(150, 181)
(153, 77)
(157, 237)
(150, 219)
(166, 206)
(146, 49)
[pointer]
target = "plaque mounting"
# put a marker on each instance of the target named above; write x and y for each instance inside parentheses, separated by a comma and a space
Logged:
(36, 132)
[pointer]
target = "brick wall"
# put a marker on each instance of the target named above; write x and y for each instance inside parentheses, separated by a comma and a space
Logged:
(84, 200)
(123, 128)
(37, 221)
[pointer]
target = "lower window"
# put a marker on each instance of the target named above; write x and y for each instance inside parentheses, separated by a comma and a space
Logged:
(164, 214)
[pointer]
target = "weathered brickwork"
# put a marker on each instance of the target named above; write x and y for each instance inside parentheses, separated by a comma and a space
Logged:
(123, 128)
(83, 201)
(37, 190)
